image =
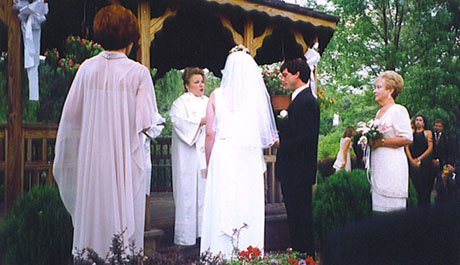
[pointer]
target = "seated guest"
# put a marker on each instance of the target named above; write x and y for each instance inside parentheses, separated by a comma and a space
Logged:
(448, 184)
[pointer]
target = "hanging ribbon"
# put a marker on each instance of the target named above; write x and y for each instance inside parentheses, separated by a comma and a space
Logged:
(312, 58)
(31, 16)
(367, 162)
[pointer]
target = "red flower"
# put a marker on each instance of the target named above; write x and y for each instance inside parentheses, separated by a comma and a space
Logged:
(292, 261)
(311, 261)
(256, 252)
(244, 255)
(70, 62)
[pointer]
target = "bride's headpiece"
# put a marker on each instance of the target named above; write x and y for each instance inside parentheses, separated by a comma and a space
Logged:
(239, 48)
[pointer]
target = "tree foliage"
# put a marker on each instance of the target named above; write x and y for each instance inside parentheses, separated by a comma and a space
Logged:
(417, 38)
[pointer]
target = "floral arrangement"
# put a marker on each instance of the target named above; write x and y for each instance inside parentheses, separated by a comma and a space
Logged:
(371, 131)
(253, 255)
(272, 79)
(76, 50)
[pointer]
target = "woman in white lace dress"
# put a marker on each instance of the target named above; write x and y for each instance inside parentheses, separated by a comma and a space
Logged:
(389, 168)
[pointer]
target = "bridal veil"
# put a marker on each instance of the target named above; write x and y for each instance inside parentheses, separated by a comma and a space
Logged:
(248, 102)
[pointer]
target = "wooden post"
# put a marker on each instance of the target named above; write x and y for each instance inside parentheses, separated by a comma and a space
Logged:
(14, 153)
(248, 36)
(143, 16)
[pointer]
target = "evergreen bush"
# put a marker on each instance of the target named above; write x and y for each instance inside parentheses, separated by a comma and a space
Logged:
(345, 197)
(339, 199)
(37, 231)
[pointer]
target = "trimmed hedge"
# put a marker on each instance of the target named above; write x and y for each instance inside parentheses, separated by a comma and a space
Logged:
(38, 230)
(342, 198)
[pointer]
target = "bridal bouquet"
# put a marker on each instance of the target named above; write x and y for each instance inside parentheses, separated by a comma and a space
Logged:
(371, 131)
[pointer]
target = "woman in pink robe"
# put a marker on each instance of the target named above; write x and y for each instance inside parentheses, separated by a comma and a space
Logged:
(99, 164)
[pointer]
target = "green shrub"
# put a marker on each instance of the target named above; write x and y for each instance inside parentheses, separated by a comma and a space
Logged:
(345, 197)
(329, 145)
(339, 199)
(38, 230)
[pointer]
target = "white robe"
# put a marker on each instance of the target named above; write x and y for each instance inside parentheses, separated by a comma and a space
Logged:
(100, 160)
(188, 162)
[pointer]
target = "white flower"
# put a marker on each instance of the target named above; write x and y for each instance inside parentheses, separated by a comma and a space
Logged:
(363, 140)
(363, 129)
(370, 124)
(283, 114)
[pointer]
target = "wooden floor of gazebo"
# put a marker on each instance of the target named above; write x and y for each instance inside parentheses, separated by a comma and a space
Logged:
(162, 217)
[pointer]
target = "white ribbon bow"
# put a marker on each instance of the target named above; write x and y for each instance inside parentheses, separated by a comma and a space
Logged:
(312, 58)
(31, 16)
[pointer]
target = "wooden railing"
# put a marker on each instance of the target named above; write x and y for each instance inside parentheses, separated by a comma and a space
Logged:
(39, 141)
(38, 144)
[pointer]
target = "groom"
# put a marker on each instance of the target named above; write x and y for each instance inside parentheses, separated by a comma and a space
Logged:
(296, 160)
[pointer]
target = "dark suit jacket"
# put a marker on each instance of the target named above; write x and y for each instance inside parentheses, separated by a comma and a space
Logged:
(298, 151)
(441, 150)
(358, 151)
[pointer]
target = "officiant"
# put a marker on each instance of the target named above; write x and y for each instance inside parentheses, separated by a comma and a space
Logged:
(188, 118)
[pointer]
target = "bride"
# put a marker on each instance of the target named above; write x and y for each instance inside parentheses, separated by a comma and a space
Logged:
(239, 124)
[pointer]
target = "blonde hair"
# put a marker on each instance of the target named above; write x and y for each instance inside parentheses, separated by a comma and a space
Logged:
(394, 81)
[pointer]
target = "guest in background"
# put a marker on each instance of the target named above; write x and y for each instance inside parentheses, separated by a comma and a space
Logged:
(358, 148)
(419, 155)
(388, 165)
(447, 184)
(343, 160)
(441, 146)
(188, 160)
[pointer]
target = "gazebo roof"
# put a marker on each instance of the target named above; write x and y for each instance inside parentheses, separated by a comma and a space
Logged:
(201, 32)
(292, 11)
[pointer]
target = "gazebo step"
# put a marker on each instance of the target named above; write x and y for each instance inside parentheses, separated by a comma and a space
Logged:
(151, 239)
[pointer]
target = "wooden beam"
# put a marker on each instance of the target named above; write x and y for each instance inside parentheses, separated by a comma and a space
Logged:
(3, 11)
(271, 11)
(300, 40)
(258, 41)
(156, 24)
(237, 37)
(14, 163)
(143, 16)
(247, 39)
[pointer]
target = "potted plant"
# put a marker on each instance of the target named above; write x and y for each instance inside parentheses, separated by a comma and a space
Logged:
(272, 77)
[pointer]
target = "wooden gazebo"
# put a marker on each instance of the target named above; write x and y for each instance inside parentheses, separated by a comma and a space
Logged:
(176, 34)
(180, 33)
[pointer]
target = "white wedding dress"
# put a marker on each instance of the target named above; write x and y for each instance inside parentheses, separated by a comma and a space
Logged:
(389, 168)
(234, 191)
